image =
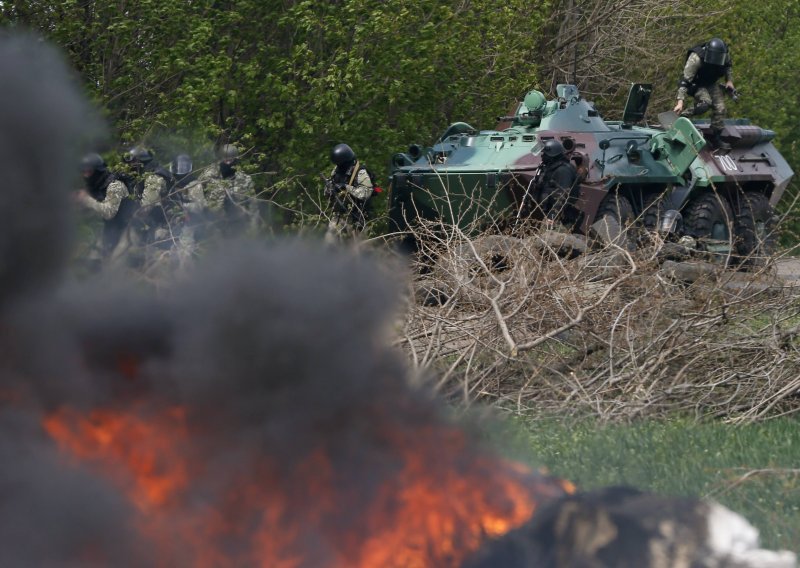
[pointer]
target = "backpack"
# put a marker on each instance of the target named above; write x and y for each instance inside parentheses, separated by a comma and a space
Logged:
(376, 189)
(364, 213)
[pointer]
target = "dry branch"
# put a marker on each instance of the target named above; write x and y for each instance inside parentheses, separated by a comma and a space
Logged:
(524, 323)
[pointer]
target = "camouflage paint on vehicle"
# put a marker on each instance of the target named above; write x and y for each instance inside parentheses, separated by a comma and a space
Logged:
(475, 179)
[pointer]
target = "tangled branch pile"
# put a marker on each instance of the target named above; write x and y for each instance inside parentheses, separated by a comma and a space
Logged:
(532, 324)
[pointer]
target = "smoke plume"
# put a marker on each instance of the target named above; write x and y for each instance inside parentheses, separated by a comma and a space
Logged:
(43, 120)
(250, 415)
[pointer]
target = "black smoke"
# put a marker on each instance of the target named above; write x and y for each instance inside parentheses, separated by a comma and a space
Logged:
(274, 358)
(280, 354)
(69, 518)
(55, 513)
(43, 120)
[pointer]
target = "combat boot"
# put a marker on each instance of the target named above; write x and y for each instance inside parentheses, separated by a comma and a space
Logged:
(717, 142)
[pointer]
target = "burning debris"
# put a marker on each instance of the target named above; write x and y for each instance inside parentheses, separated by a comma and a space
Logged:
(626, 528)
(272, 427)
(252, 415)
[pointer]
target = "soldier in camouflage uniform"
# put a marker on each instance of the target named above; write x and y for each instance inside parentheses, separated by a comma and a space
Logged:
(705, 65)
(223, 195)
(151, 184)
(349, 187)
(107, 198)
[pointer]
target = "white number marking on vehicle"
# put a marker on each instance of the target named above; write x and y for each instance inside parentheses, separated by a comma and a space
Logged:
(727, 163)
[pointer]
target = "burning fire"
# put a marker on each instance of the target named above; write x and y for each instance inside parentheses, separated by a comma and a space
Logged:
(137, 454)
(433, 503)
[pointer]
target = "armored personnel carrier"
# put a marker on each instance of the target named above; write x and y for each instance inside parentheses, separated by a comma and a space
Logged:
(665, 177)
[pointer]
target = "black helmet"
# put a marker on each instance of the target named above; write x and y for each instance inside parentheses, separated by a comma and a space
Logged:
(716, 52)
(552, 149)
(93, 162)
(181, 165)
(138, 154)
(342, 154)
(228, 153)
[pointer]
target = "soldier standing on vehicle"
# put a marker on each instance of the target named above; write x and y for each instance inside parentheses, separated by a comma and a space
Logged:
(557, 185)
(106, 197)
(348, 188)
(706, 64)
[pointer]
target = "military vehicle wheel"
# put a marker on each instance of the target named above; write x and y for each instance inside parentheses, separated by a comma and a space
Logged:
(613, 218)
(709, 216)
(617, 206)
(652, 211)
(755, 228)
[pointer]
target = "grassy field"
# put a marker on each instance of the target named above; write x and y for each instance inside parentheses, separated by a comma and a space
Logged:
(680, 457)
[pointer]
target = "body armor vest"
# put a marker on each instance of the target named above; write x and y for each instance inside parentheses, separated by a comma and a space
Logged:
(98, 188)
(114, 227)
(708, 74)
(343, 177)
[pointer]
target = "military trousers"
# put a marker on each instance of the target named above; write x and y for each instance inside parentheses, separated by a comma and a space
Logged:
(713, 97)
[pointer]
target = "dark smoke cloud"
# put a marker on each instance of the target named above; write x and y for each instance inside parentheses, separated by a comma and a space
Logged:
(43, 119)
(52, 513)
(280, 354)
(276, 357)
(277, 350)
(82, 343)
(291, 318)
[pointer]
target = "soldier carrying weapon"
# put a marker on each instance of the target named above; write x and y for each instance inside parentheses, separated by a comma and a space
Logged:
(705, 65)
(349, 187)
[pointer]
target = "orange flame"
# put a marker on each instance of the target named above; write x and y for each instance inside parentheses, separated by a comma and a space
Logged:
(138, 454)
(436, 506)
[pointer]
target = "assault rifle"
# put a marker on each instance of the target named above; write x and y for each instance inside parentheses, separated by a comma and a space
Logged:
(528, 202)
(731, 92)
(338, 195)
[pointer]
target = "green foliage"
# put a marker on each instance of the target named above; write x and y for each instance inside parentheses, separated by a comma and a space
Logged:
(287, 80)
(680, 457)
(623, 42)
(764, 38)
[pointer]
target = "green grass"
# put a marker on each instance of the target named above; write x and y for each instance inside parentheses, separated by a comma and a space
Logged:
(678, 457)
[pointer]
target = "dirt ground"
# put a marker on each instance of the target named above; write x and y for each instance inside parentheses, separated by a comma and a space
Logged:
(789, 269)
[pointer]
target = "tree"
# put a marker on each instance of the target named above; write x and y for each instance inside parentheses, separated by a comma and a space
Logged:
(189, 75)
(376, 74)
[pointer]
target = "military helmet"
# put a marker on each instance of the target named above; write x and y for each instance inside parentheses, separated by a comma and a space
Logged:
(553, 149)
(228, 153)
(138, 154)
(716, 52)
(93, 162)
(342, 154)
(181, 165)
